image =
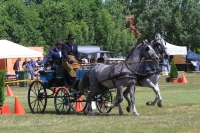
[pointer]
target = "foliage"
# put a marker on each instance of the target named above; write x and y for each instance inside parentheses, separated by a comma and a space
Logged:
(94, 22)
(167, 79)
(173, 70)
(2, 86)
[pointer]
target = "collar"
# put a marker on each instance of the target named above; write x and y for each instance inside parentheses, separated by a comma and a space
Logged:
(69, 44)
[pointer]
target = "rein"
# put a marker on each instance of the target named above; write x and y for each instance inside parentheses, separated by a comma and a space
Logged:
(87, 64)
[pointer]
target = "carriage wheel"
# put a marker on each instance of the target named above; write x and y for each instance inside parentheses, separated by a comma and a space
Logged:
(37, 99)
(62, 101)
(78, 102)
(103, 100)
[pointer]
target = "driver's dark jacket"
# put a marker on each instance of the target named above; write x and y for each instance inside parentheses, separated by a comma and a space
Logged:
(68, 49)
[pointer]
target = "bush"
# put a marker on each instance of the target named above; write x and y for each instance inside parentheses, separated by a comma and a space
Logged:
(167, 79)
(2, 86)
(173, 70)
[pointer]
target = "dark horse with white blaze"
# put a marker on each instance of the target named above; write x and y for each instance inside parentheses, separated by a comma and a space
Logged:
(150, 75)
(103, 77)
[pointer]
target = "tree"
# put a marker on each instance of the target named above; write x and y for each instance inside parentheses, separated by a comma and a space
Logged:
(173, 70)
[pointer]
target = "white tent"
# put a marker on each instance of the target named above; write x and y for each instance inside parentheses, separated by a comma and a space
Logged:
(88, 49)
(12, 50)
(176, 50)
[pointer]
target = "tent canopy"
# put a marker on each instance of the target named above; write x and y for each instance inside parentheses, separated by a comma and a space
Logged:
(13, 50)
(176, 50)
(88, 49)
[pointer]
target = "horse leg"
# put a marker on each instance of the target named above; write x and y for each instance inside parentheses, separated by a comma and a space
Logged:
(89, 104)
(125, 93)
(159, 103)
(119, 99)
(156, 90)
(93, 90)
(132, 96)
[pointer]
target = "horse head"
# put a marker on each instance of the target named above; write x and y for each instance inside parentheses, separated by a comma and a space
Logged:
(158, 45)
(147, 51)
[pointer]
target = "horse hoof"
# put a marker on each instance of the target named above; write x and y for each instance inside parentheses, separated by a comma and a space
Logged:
(128, 109)
(86, 111)
(159, 103)
(136, 114)
(92, 114)
(149, 103)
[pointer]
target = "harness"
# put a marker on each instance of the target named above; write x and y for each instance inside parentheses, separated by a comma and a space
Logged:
(117, 74)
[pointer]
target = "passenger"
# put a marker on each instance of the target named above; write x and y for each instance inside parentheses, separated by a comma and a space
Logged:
(55, 55)
(69, 56)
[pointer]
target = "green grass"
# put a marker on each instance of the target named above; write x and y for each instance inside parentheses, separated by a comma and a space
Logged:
(180, 113)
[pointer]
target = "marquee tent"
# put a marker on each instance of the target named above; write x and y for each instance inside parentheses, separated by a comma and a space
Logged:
(88, 49)
(12, 50)
(176, 50)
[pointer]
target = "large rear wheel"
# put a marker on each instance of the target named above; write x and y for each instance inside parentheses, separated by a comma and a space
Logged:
(37, 99)
(62, 101)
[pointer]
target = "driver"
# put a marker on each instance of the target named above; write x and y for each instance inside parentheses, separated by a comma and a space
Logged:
(69, 56)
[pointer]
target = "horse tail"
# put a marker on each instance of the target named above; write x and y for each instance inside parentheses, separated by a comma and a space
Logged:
(84, 83)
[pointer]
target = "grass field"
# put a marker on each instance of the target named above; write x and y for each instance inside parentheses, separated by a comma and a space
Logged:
(180, 113)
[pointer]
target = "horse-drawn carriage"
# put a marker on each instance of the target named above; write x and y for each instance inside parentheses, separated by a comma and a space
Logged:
(66, 96)
(99, 80)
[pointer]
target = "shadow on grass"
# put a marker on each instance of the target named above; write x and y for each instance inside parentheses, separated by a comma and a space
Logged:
(80, 114)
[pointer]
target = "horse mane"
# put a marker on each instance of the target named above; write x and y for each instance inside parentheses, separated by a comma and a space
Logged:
(131, 53)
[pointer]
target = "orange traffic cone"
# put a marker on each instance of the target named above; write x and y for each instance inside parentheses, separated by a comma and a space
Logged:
(79, 105)
(184, 80)
(18, 107)
(5, 109)
(9, 91)
(179, 80)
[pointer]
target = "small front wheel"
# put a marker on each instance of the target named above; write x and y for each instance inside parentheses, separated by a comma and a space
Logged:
(62, 101)
(78, 102)
(103, 100)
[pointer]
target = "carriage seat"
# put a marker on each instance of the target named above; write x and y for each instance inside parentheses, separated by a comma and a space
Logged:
(49, 80)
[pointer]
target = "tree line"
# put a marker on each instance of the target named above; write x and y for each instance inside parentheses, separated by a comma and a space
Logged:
(94, 22)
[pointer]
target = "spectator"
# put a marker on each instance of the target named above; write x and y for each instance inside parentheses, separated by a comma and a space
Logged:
(25, 61)
(84, 60)
(165, 66)
(36, 74)
(33, 63)
(100, 59)
(38, 63)
(30, 69)
(16, 67)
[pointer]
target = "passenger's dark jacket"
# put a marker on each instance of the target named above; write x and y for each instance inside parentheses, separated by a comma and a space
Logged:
(54, 55)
